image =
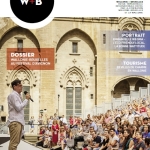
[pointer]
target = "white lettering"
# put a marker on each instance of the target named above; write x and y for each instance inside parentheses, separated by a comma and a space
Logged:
(38, 2)
(22, 54)
(133, 35)
(134, 63)
(24, 1)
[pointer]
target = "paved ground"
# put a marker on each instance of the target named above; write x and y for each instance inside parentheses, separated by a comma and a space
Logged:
(22, 146)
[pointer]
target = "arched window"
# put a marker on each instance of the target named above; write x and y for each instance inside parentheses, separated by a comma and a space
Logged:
(73, 94)
(130, 27)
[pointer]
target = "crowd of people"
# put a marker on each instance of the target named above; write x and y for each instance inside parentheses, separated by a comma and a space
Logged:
(120, 129)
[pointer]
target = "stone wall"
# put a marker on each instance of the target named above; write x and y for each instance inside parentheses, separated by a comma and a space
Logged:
(59, 34)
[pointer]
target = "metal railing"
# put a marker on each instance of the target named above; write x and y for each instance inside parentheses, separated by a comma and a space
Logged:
(3, 128)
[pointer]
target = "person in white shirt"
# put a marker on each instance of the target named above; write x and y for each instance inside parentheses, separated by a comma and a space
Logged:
(63, 119)
(15, 120)
(45, 138)
(113, 142)
(131, 117)
(50, 121)
(55, 117)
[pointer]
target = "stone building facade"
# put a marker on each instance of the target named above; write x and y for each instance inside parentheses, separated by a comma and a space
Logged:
(80, 77)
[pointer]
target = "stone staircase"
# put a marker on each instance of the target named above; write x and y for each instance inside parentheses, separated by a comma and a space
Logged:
(119, 103)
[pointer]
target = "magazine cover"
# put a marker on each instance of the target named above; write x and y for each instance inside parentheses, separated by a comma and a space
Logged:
(74, 80)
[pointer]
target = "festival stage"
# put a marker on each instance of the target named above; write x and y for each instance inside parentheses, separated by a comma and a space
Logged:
(4, 142)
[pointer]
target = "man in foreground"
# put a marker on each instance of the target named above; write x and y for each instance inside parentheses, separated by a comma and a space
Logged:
(15, 120)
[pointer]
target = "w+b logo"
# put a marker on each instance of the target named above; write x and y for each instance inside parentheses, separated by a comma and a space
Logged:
(33, 9)
(37, 2)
